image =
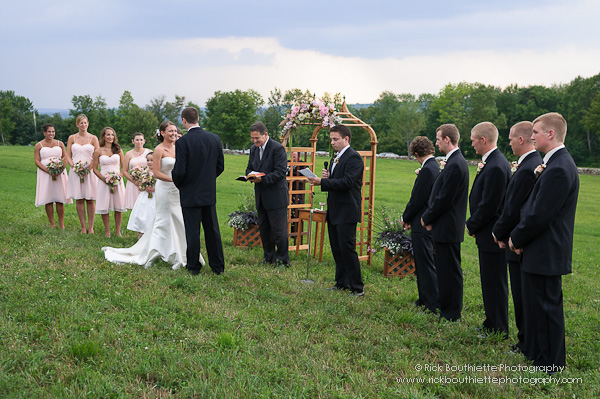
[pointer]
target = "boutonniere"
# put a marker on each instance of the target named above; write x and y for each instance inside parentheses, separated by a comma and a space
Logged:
(417, 171)
(336, 160)
(515, 166)
(442, 165)
(540, 168)
(480, 166)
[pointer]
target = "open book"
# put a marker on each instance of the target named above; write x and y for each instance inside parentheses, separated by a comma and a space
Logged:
(307, 172)
(245, 178)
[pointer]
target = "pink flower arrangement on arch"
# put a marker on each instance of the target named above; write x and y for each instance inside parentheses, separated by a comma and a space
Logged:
(315, 111)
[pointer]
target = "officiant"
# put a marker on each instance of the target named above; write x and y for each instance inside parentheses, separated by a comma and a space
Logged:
(271, 194)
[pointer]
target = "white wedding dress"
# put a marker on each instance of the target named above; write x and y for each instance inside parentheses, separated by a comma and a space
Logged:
(165, 237)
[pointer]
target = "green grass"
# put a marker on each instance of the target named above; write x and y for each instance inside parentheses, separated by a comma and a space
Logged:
(73, 325)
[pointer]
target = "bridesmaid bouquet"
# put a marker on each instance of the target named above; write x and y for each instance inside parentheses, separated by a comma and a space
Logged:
(147, 180)
(81, 169)
(112, 179)
(137, 173)
(55, 167)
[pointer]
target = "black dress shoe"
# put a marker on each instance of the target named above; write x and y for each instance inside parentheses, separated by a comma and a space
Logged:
(357, 293)
(283, 264)
(335, 288)
(193, 272)
(266, 263)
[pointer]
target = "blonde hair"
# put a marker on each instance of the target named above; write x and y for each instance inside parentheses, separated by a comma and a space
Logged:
(523, 129)
(553, 121)
(487, 130)
(79, 118)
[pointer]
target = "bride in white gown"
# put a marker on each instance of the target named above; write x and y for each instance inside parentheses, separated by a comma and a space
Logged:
(165, 238)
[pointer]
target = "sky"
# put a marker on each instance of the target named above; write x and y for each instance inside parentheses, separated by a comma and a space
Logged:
(53, 50)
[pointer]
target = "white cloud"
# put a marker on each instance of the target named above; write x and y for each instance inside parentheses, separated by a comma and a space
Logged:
(197, 68)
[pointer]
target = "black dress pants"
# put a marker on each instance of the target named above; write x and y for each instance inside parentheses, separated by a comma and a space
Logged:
(205, 216)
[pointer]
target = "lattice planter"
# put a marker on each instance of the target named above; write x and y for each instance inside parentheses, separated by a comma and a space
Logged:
(247, 238)
(399, 265)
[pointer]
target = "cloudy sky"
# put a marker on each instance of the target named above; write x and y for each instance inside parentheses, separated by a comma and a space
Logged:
(52, 50)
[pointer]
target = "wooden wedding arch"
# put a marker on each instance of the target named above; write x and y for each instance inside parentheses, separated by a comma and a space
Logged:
(298, 184)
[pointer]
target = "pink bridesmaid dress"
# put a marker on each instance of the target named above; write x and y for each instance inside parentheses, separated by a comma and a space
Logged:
(86, 190)
(131, 190)
(105, 200)
(48, 190)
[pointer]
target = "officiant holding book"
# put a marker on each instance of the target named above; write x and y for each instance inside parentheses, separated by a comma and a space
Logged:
(271, 194)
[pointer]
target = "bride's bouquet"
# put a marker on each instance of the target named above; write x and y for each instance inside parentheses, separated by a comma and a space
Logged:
(55, 167)
(147, 180)
(137, 173)
(81, 169)
(112, 179)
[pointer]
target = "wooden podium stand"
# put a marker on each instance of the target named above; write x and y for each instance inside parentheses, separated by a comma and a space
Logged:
(319, 232)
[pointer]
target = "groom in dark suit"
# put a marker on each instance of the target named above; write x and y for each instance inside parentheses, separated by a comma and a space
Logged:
(518, 190)
(271, 193)
(343, 183)
(445, 218)
(199, 161)
(422, 148)
(485, 203)
(544, 236)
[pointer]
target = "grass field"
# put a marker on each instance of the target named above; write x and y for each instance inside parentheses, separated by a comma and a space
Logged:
(73, 325)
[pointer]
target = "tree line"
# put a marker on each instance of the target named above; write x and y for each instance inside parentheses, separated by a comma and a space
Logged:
(396, 117)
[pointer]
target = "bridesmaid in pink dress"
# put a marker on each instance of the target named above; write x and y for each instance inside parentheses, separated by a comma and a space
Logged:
(51, 189)
(81, 147)
(110, 158)
(133, 158)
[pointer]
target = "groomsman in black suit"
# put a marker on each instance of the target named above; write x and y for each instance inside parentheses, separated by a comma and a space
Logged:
(343, 182)
(270, 193)
(422, 148)
(485, 203)
(445, 218)
(518, 190)
(544, 236)
(199, 161)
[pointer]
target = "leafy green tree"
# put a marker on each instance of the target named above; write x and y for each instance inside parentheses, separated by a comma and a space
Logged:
(465, 105)
(7, 125)
(591, 117)
(130, 118)
(60, 125)
(230, 115)
(20, 130)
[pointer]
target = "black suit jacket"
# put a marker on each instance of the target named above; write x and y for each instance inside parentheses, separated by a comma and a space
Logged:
(487, 200)
(545, 230)
(447, 207)
(419, 196)
(344, 188)
(198, 163)
(518, 190)
(272, 191)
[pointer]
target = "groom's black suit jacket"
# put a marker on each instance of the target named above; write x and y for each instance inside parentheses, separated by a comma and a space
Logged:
(272, 191)
(487, 200)
(199, 161)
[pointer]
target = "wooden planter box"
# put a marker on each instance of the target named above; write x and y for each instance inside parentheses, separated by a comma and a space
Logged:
(247, 238)
(399, 265)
